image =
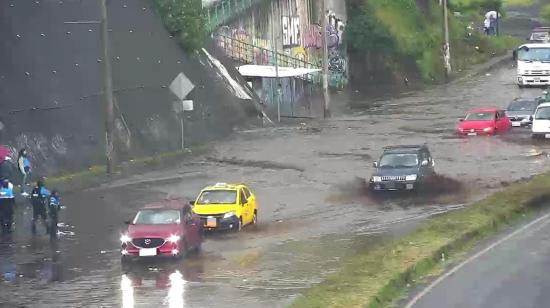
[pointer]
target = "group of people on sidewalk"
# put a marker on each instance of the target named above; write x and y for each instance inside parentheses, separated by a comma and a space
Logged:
(45, 203)
(490, 24)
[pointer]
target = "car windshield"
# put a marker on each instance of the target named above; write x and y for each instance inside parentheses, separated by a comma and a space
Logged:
(395, 160)
(157, 217)
(218, 197)
(522, 106)
(543, 113)
(480, 116)
(541, 54)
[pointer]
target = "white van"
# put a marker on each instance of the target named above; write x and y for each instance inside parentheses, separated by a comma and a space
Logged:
(541, 121)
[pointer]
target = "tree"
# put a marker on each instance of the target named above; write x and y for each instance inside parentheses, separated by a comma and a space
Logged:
(546, 13)
(184, 18)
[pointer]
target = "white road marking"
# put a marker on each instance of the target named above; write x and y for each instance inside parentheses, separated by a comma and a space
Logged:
(472, 258)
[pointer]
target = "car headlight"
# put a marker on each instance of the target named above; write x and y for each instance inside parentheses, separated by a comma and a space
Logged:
(173, 238)
(229, 214)
(411, 177)
(125, 238)
(377, 179)
(488, 129)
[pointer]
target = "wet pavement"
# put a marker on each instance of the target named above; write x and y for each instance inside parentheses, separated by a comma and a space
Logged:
(314, 210)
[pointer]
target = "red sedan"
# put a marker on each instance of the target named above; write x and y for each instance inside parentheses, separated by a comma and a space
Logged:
(484, 121)
(168, 228)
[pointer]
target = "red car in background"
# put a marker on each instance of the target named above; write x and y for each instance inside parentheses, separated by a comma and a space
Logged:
(168, 228)
(484, 121)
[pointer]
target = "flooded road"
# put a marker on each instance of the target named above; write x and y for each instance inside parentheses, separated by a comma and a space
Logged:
(313, 209)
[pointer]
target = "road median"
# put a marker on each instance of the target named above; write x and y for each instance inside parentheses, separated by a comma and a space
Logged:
(379, 276)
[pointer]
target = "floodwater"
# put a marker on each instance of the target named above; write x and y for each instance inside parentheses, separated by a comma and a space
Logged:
(314, 209)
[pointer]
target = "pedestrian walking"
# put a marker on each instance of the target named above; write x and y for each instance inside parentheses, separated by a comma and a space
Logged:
(54, 206)
(487, 26)
(39, 199)
(7, 203)
(24, 166)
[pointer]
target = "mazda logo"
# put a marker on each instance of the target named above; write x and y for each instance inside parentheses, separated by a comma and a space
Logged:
(147, 241)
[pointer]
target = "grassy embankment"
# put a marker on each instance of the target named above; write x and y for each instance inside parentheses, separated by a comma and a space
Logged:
(408, 33)
(95, 175)
(378, 277)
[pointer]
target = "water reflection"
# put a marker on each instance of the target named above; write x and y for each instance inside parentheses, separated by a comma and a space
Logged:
(127, 292)
(175, 294)
(168, 277)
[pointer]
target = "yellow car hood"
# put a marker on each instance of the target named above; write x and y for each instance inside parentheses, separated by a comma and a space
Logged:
(213, 209)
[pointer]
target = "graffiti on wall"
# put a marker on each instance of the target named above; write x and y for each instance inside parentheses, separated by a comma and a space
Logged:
(291, 31)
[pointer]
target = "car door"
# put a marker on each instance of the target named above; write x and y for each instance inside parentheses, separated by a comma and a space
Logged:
(251, 202)
(191, 227)
(503, 122)
(246, 217)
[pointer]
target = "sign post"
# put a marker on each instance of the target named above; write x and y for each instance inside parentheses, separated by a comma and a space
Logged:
(181, 86)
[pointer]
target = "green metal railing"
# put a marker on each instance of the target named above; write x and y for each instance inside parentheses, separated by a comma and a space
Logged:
(219, 13)
(249, 54)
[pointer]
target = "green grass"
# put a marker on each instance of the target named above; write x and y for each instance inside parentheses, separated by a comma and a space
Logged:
(519, 2)
(377, 277)
(96, 175)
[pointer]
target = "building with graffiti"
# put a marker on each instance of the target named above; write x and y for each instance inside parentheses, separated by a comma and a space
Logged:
(288, 33)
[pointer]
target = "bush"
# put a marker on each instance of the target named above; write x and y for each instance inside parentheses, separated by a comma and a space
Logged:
(546, 13)
(184, 19)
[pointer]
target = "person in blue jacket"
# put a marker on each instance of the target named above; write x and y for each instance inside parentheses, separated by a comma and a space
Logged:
(39, 198)
(7, 202)
(54, 206)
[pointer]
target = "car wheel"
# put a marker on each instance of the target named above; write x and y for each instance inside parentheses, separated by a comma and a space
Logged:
(255, 218)
(239, 225)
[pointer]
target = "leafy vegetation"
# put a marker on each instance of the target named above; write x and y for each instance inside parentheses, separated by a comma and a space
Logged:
(377, 277)
(184, 19)
(546, 12)
(410, 31)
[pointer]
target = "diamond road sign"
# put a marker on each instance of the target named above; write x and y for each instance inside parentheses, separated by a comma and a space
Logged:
(181, 86)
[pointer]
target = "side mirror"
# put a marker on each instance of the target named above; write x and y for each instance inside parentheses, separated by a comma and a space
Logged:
(460, 120)
(375, 164)
(530, 118)
(425, 163)
(128, 222)
(192, 202)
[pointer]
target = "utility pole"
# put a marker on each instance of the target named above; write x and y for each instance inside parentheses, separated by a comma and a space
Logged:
(326, 95)
(446, 46)
(107, 90)
(275, 18)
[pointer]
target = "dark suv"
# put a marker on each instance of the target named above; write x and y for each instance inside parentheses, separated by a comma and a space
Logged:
(403, 167)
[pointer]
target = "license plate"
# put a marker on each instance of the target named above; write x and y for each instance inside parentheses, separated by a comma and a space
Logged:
(516, 124)
(390, 185)
(147, 252)
(211, 222)
(547, 136)
(536, 79)
(472, 134)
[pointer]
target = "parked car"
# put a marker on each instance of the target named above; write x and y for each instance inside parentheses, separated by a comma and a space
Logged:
(404, 167)
(540, 35)
(541, 121)
(484, 121)
(520, 111)
(226, 207)
(167, 228)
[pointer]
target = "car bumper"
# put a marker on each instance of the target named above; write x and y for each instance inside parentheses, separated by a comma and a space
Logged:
(168, 249)
(394, 186)
(222, 224)
(543, 135)
(520, 123)
(475, 133)
(533, 80)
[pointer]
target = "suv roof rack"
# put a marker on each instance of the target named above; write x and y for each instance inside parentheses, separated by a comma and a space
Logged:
(412, 146)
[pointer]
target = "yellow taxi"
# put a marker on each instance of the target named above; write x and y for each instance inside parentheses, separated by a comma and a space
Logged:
(226, 207)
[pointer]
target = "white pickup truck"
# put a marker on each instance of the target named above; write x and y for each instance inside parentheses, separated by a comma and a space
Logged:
(533, 64)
